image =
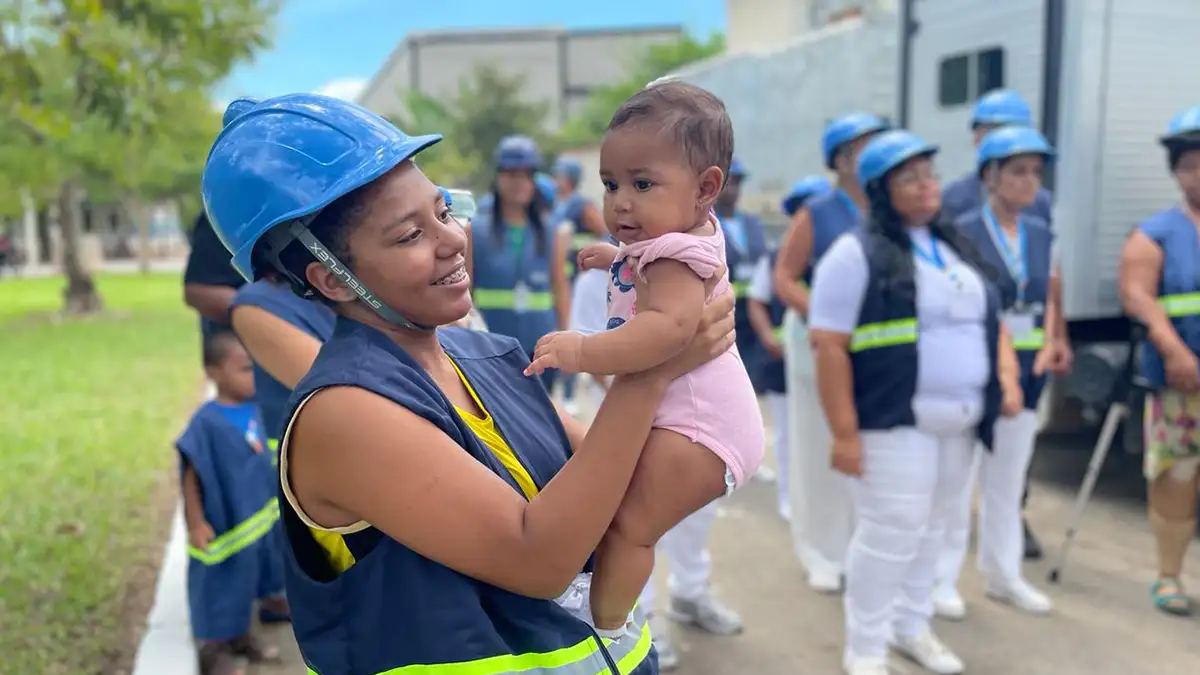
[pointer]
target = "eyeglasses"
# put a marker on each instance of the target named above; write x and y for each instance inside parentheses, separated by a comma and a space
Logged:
(910, 177)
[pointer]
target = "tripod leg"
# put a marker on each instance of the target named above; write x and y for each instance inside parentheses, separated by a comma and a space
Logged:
(1116, 413)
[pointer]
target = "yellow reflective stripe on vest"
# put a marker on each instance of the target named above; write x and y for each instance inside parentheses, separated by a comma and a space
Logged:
(740, 288)
(580, 239)
(1180, 304)
(582, 658)
(273, 446)
(237, 539)
(501, 298)
(1034, 339)
(884, 334)
(778, 331)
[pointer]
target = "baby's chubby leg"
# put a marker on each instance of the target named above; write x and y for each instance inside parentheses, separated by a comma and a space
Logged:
(674, 478)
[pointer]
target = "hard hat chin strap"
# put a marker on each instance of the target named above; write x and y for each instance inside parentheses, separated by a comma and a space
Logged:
(298, 230)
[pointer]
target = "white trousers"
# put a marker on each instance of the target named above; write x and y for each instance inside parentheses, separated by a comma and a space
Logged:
(911, 482)
(1001, 539)
(777, 408)
(822, 514)
(686, 549)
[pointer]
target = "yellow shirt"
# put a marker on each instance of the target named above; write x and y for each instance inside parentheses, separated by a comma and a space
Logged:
(485, 430)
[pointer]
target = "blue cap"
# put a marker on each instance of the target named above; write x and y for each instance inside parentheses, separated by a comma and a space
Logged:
(236, 109)
(569, 168)
(1184, 126)
(289, 157)
(803, 190)
(1002, 107)
(888, 151)
(737, 169)
(546, 186)
(1008, 142)
(517, 153)
(848, 128)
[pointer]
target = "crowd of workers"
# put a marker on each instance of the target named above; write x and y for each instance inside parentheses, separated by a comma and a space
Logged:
(900, 334)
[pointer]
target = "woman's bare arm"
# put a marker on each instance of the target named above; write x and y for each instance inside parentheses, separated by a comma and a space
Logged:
(835, 381)
(284, 351)
(1139, 273)
(794, 255)
(558, 278)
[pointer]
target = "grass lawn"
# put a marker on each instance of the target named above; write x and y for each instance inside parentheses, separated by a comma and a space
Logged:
(90, 408)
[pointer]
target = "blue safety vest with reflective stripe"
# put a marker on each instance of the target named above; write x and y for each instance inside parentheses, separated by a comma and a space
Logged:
(774, 371)
(883, 352)
(1038, 268)
(570, 211)
(832, 214)
(396, 612)
(741, 262)
(1178, 287)
(511, 281)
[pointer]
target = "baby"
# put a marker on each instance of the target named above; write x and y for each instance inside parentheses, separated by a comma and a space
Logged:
(663, 162)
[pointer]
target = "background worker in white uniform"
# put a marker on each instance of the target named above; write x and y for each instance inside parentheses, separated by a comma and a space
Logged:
(913, 368)
(822, 517)
(1010, 161)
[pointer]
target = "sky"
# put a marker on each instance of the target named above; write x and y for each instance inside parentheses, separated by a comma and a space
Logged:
(335, 46)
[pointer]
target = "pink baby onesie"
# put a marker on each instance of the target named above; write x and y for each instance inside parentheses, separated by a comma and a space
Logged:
(714, 405)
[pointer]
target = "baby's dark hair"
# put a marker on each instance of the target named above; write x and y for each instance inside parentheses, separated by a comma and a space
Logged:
(695, 118)
(218, 346)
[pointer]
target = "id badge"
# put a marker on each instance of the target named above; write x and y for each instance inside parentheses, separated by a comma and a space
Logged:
(964, 302)
(520, 296)
(1020, 325)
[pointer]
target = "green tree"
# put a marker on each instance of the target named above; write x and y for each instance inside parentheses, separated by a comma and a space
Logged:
(587, 127)
(102, 92)
(489, 105)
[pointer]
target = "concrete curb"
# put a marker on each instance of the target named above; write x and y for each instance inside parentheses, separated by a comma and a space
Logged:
(167, 647)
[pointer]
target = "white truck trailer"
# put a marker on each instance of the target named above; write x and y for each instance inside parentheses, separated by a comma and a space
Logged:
(1103, 77)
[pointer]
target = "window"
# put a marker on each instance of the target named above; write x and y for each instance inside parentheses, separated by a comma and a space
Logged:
(962, 78)
(954, 81)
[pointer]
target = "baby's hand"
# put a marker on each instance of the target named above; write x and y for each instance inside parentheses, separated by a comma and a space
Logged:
(597, 256)
(562, 350)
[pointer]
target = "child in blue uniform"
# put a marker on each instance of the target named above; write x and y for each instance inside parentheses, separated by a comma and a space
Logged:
(230, 506)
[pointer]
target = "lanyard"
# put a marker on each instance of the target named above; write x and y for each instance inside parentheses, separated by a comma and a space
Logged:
(1013, 260)
(849, 204)
(933, 256)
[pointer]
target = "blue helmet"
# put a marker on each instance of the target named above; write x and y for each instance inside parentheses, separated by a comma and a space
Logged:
(277, 163)
(1184, 127)
(737, 169)
(546, 186)
(888, 151)
(1007, 142)
(569, 168)
(1001, 107)
(848, 128)
(517, 153)
(803, 190)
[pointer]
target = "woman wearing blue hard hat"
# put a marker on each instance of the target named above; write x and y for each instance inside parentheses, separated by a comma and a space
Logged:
(1010, 162)
(1159, 286)
(766, 312)
(822, 516)
(400, 434)
(515, 257)
(913, 366)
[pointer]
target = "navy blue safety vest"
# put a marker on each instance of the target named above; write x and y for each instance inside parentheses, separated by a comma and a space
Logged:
(570, 210)
(966, 194)
(395, 612)
(313, 318)
(883, 354)
(774, 371)
(512, 283)
(1038, 268)
(833, 214)
(1178, 288)
(237, 483)
(741, 263)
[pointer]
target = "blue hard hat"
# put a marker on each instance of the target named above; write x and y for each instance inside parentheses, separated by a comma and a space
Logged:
(569, 168)
(888, 151)
(1184, 126)
(517, 153)
(1008, 142)
(848, 128)
(1002, 107)
(289, 157)
(737, 169)
(803, 190)
(546, 186)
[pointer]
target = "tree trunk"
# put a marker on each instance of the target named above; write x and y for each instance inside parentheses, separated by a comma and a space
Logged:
(140, 213)
(80, 296)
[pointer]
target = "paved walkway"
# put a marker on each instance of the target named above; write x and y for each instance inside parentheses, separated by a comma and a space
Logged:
(1103, 622)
